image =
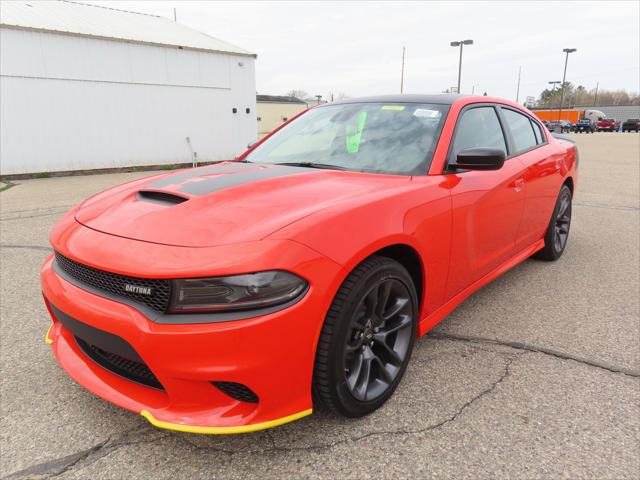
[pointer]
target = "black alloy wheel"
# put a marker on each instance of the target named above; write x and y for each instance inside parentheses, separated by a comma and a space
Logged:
(378, 340)
(557, 234)
(367, 338)
(562, 221)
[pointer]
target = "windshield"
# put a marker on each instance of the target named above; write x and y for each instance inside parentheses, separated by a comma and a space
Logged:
(395, 138)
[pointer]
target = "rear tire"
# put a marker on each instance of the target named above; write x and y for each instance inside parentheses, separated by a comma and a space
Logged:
(367, 338)
(557, 234)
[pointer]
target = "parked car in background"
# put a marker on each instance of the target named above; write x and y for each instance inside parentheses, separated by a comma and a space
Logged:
(561, 126)
(632, 124)
(606, 125)
(585, 125)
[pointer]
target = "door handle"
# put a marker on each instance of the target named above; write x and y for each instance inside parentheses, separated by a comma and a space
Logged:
(518, 184)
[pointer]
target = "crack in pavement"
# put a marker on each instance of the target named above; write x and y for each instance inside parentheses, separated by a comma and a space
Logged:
(35, 215)
(631, 372)
(26, 247)
(609, 207)
(324, 447)
(59, 466)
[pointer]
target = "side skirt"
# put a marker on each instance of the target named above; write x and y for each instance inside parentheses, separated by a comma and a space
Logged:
(436, 317)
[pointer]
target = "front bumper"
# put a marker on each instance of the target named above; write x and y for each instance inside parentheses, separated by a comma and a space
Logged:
(273, 355)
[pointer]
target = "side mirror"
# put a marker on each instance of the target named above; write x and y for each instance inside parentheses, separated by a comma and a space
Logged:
(250, 144)
(479, 158)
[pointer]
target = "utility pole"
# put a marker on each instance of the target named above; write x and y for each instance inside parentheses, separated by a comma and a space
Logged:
(564, 79)
(518, 90)
(175, 15)
(319, 97)
(595, 100)
(402, 73)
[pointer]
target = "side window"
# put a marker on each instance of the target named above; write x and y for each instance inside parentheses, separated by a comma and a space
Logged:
(478, 127)
(521, 130)
(538, 133)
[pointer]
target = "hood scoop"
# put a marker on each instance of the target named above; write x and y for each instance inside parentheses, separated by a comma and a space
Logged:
(161, 198)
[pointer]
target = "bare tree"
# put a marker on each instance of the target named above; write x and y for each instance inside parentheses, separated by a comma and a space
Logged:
(580, 96)
(300, 94)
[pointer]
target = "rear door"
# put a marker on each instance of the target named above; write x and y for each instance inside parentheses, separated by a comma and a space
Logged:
(487, 206)
(542, 173)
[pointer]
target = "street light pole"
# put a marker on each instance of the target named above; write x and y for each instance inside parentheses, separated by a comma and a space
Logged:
(564, 78)
(554, 83)
(460, 44)
(402, 73)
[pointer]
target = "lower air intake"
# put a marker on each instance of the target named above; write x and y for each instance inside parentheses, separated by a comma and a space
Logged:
(237, 391)
(129, 369)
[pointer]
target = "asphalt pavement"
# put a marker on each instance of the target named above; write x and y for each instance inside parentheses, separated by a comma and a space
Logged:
(535, 376)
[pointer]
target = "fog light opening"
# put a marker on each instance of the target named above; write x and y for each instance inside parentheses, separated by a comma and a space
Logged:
(237, 391)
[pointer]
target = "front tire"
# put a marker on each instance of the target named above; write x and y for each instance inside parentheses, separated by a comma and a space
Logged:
(557, 234)
(367, 338)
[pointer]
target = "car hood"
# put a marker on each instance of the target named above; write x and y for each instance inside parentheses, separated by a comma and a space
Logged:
(224, 203)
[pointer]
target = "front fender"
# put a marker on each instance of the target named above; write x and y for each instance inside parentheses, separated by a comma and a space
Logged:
(419, 216)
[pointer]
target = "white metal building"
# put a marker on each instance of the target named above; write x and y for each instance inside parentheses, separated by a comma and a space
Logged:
(85, 87)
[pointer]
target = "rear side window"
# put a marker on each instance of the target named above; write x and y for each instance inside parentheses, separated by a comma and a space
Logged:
(478, 127)
(521, 130)
(537, 131)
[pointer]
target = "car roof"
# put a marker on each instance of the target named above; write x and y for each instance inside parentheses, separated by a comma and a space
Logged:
(441, 99)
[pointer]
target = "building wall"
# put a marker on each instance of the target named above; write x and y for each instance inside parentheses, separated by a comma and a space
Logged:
(73, 103)
(271, 115)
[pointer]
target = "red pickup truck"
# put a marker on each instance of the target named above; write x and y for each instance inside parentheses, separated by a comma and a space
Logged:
(606, 125)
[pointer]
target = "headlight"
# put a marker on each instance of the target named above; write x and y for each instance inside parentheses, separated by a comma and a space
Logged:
(235, 292)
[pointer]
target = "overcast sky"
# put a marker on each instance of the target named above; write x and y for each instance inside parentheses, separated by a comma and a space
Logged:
(355, 47)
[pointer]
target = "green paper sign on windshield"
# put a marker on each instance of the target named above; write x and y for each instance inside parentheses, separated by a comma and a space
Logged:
(354, 133)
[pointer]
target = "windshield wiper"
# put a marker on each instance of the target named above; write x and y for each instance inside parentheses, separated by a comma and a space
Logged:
(313, 165)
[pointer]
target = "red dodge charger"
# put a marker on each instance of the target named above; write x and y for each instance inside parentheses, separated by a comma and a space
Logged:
(233, 297)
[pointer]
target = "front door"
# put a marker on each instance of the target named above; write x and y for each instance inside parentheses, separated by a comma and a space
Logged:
(487, 206)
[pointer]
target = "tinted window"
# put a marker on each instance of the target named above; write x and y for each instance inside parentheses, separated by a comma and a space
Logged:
(479, 127)
(521, 130)
(538, 132)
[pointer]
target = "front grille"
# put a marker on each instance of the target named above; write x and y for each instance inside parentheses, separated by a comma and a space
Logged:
(238, 391)
(160, 289)
(129, 369)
